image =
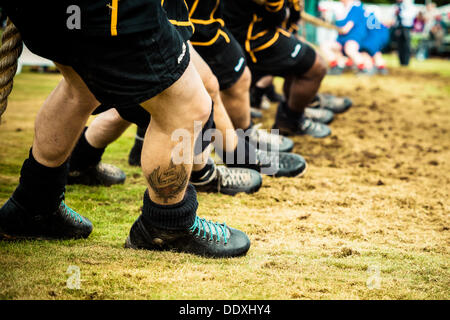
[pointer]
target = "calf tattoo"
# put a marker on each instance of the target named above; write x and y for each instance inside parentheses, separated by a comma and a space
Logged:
(169, 183)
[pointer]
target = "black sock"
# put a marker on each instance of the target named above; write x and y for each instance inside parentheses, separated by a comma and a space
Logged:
(259, 91)
(244, 153)
(140, 133)
(171, 217)
(249, 127)
(291, 113)
(270, 89)
(205, 173)
(84, 155)
(256, 95)
(40, 188)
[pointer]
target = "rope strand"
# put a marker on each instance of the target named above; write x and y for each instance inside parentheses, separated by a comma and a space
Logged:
(10, 51)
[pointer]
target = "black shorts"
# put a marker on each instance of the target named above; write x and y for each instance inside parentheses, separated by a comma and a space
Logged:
(134, 114)
(286, 56)
(178, 14)
(225, 57)
(125, 71)
(122, 70)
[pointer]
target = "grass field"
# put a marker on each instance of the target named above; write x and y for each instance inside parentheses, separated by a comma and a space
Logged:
(369, 220)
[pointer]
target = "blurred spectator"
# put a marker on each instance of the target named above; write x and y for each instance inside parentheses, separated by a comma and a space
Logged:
(437, 32)
(2, 18)
(404, 19)
(430, 13)
(419, 23)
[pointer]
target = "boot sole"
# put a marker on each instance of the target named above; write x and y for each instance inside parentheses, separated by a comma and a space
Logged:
(4, 236)
(298, 175)
(290, 133)
(129, 245)
(230, 192)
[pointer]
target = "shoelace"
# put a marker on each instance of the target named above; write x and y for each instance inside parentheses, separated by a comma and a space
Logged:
(71, 213)
(263, 136)
(267, 158)
(200, 225)
(317, 113)
(228, 177)
(330, 100)
(307, 124)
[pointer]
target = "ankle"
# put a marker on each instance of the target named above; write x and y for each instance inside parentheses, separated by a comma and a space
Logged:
(204, 174)
(171, 217)
(84, 155)
(291, 113)
(41, 188)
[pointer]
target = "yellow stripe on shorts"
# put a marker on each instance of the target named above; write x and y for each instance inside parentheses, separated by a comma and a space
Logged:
(114, 8)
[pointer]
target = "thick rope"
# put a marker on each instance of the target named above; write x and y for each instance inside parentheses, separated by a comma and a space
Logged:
(10, 51)
(318, 22)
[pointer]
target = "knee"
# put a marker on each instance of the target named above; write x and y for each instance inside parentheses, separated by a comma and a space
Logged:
(203, 111)
(212, 85)
(318, 70)
(85, 102)
(199, 110)
(111, 119)
(321, 67)
(245, 80)
(350, 47)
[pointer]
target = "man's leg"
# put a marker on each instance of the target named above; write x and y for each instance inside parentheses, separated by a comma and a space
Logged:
(106, 128)
(259, 90)
(405, 47)
(221, 118)
(56, 132)
(206, 177)
(241, 152)
(301, 89)
(303, 70)
(84, 164)
(37, 209)
(168, 220)
(237, 101)
(157, 153)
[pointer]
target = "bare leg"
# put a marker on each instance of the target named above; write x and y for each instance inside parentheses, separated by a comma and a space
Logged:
(264, 82)
(367, 60)
(175, 108)
(351, 49)
(379, 61)
(56, 132)
(107, 127)
(300, 90)
(221, 118)
(237, 101)
(329, 51)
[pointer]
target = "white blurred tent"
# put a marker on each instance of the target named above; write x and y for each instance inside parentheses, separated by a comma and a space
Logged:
(28, 58)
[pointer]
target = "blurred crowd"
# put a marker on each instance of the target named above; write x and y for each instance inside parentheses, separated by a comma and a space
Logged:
(429, 32)
(365, 31)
